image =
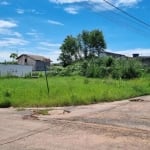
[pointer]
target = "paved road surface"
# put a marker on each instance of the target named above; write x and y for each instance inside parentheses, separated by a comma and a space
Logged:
(123, 125)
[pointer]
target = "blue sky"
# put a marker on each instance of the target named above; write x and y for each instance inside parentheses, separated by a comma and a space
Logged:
(40, 26)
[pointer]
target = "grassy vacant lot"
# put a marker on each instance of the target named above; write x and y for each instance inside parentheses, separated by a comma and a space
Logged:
(69, 90)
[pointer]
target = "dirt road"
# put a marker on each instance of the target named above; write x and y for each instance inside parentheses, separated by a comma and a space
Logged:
(117, 125)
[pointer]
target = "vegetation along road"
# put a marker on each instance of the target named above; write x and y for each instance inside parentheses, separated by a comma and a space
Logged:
(64, 91)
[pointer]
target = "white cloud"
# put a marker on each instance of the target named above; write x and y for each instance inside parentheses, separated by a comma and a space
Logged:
(7, 24)
(72, 10)
(95, 1)
(54, 55)
(50, 49)
(98, 5)
(68, 1)
(4, 56)
(20, 11)
(17, 34)
(7, 42)
(36, 37)
(48, 44)
(4, 3)
(6, 28)
(8, 32)
(127, 2)
(55, 22)
(34, 34)
(31, 11)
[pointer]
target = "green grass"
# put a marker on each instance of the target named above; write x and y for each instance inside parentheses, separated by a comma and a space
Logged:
(66, 91)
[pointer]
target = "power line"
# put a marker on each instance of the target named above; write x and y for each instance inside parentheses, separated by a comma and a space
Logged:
(129, 15)
(127, 25)
(122, 21)
(132, 24)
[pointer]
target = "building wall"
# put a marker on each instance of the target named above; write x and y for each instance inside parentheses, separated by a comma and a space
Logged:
(15, 70)
(37, 65)
(25, 60)
(145, 61)
(40, 65)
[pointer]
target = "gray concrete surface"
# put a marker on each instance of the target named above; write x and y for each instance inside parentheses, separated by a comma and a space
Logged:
(117, 125)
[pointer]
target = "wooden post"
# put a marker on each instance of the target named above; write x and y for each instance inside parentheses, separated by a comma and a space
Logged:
(46, 78)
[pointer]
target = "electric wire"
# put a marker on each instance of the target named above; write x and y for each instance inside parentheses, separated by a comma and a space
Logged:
(125, 21)
(129, 15)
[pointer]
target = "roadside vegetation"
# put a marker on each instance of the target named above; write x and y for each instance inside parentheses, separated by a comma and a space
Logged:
(105, 67)
(64, 91)
(82, 77)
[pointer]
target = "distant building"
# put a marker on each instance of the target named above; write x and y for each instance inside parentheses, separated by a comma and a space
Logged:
(115, 55)
(144, 59)
(37, 62)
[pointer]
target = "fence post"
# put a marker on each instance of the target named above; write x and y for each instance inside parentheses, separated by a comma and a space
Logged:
(46, 78)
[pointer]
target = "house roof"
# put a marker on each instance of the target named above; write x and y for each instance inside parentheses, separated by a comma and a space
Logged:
(113, 54)
(35, 57)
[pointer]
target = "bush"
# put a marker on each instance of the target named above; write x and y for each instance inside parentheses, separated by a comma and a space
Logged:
(110, 67)
(74, 69)
(5, 103)
(55, 70)
(103, 67)
(131, 69)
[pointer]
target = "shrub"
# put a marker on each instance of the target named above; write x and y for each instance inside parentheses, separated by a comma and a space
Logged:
(131, 69)
(55, 70)
(7, 93)
(101, 67)
(111, 67)
(5, 103)
(86, 81)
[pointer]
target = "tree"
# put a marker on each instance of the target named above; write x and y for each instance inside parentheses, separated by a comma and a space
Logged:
(86, 45)
(83, 39)
(96, 42)
(91, 43)
(13, 56)
(69, 51)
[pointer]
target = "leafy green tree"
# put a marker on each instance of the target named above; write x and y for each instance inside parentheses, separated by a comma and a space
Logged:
(86, 45)
(91, 43)
(96, 42)
(65, 59)
(83, 39)
(69, 51)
